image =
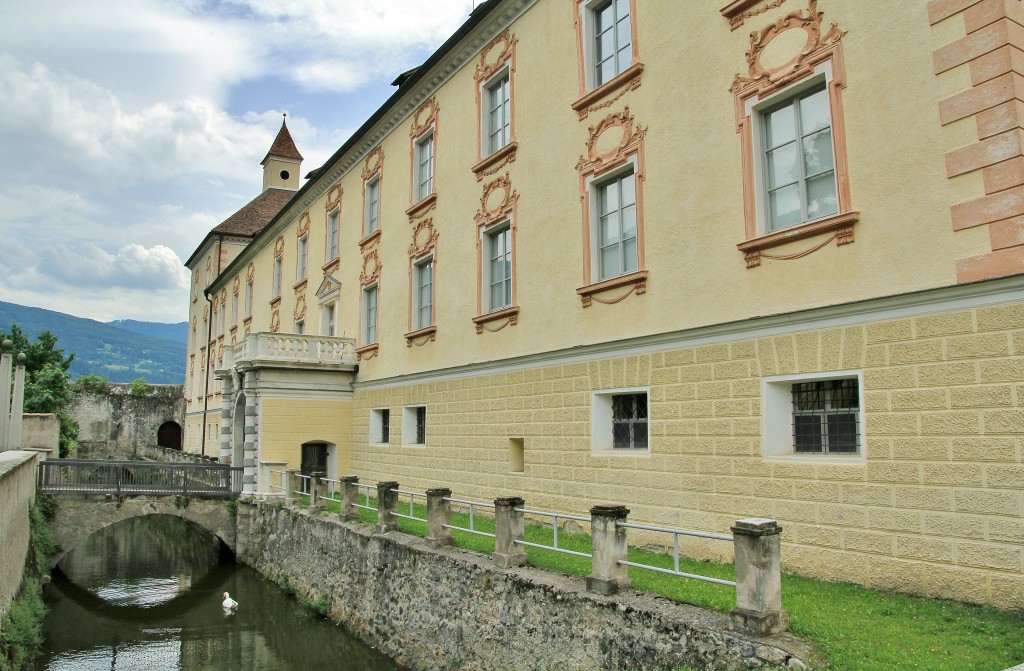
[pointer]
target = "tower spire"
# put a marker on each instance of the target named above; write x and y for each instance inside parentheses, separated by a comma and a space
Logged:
(281, 165)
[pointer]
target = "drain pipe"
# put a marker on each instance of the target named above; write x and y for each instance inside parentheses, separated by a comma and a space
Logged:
(209, 346)
(206, 373)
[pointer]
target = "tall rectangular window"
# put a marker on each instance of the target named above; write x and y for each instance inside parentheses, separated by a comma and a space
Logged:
(371, 218)
(799, 161)
(222, 314)
(300, 327)
(423, 293)
(499, 269)
(329, 315)
(370, 315)
(277, 277)
(616, 227)
(214, 323)
(498, 113)
(300, 265)
(425, 166)
(613, 42)
(332, 235)
(248, 298)
(234, 309)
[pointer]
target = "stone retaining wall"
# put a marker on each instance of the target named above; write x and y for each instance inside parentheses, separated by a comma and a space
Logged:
(17, 490)
(448, 608)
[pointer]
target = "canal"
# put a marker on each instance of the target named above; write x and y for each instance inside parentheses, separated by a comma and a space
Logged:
(147, 593)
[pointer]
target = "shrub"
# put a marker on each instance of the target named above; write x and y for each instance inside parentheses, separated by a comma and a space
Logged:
(93, 383)
(139, 387)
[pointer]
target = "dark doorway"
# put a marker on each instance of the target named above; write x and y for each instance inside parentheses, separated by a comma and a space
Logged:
(169, 435)
(314, 458)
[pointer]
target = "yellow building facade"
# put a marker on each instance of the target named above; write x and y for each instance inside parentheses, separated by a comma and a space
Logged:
(763, 259)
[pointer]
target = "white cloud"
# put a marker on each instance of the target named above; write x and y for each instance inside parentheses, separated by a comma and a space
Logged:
(117, 115)
(132, 266)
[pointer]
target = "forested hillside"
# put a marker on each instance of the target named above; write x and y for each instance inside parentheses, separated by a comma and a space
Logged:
(109, 350)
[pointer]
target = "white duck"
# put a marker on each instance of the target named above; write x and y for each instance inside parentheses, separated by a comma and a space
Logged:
(229, 603)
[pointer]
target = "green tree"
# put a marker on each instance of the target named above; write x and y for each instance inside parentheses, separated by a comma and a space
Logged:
(47, 381)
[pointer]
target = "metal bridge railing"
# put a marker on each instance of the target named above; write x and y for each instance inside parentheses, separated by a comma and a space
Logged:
(676, 533)
(138, 478)
(411, 515)
(555, 518)
(472, 505)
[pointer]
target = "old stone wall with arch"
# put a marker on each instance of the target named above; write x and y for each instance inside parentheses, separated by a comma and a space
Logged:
(77, 518)
(113, 422)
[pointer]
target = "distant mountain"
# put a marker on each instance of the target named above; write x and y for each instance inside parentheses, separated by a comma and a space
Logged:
(174, 332)
(117, 352)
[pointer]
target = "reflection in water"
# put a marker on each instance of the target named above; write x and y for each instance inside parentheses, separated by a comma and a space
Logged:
(147, 593)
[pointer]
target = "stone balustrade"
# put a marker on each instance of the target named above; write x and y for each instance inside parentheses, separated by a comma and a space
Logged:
(292, 349)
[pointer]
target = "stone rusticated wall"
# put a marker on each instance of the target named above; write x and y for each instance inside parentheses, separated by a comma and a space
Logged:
(446, 608)
(17, 490)
(936, 509)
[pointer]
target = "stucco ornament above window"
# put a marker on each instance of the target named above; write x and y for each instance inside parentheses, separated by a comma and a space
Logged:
(739, 10)
(786, 50)
(497, 201)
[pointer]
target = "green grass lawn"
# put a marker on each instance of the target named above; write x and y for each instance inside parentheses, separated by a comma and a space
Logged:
(857, 629)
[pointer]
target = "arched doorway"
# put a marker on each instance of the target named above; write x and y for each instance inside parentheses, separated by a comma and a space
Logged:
(238, 431)
(169, 435)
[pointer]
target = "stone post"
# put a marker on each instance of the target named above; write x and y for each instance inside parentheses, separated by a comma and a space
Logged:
(292, 484)
(17, 405)
(349, 495)
(227, 415)
(756, 545)
(508, 528)
(250, 444)
(607, 575)
(387, 504)
(316, 490)
(439, 513)
(5, 393)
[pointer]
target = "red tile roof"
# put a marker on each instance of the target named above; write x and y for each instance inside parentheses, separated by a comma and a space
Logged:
(284, 146)
(253, 216)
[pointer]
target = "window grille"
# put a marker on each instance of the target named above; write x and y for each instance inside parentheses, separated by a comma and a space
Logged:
(825, 417)
(421, 425)
(629, 421)
(385, 426)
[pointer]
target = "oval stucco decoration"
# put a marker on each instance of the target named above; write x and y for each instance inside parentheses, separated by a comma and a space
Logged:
(613, 137)
(784, 48)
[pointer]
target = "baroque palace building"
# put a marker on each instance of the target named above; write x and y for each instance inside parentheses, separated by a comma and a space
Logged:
(756, 260)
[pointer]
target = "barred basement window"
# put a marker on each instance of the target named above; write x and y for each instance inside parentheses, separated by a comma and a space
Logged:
(421, 425)
(629, 422)
(380, 425)
(825, 417)
(414, 425)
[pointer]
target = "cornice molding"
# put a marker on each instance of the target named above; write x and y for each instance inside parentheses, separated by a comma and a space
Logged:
(929, 301)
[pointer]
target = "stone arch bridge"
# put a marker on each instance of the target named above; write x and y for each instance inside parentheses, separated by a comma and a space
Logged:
(76, 517)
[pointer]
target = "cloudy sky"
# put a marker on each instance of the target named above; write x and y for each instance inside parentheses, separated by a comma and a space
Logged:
(131, 128)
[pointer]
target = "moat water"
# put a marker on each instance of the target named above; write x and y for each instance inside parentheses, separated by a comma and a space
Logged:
(146, 594)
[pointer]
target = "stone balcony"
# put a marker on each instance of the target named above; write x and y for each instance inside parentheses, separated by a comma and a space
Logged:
(278, 350)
